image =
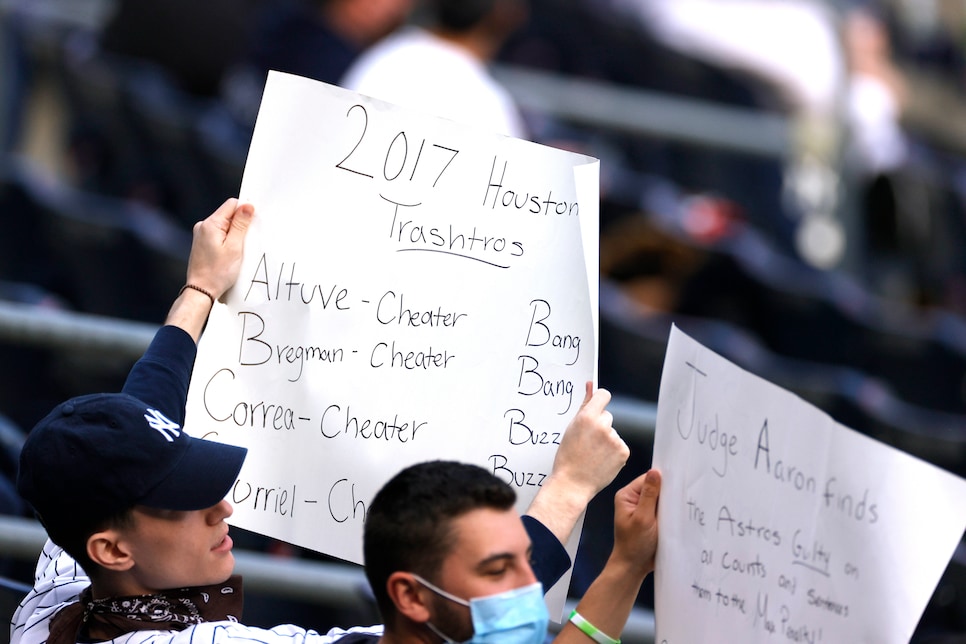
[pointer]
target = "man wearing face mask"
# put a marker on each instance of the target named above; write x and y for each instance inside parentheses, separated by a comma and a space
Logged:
(447, 557)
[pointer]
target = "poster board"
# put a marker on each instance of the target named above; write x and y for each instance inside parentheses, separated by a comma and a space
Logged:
(411, 289)
(779, 524)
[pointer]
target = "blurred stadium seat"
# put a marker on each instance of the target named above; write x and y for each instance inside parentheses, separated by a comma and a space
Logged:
(102, 255)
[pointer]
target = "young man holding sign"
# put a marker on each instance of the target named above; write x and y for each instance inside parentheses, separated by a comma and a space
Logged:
(140, 504)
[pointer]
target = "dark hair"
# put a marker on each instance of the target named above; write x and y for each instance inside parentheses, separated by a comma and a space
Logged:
(460, 15)
(408, 526)
(73, 536)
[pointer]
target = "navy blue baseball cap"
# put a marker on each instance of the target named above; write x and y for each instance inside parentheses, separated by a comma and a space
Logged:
(95, 456)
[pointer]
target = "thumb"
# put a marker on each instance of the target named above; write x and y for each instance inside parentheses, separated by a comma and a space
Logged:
(242, 218)
(588, 393)
(650, 492)
(240, 222)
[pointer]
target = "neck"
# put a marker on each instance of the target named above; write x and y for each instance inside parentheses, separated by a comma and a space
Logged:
(408, 633)
(114, 584)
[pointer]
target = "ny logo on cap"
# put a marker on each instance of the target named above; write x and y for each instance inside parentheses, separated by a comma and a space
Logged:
(165, 427)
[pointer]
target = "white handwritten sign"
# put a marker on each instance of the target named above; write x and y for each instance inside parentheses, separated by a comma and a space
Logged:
(411, 289)
(778, 524)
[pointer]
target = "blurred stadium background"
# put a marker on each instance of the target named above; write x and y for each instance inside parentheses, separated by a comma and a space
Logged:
(796, 204)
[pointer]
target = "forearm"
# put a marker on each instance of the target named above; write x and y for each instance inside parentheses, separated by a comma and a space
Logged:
(607, 603)
(559, 504)
(213, 265)
(609, 600)
(190, 312)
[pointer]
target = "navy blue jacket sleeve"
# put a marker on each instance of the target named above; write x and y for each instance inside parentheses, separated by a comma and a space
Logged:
(549, 559)
(161, 376)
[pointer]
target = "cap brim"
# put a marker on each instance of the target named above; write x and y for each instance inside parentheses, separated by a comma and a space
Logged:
(202, 478)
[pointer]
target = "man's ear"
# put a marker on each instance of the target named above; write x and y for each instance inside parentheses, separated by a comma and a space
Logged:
(410, 597)
(107, 549)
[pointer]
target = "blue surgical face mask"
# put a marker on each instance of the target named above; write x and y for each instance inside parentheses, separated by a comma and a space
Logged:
(517, 616)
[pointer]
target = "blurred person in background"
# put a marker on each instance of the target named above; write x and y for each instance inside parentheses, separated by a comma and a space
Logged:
(317, 39)
(441, 68)
(832, 71)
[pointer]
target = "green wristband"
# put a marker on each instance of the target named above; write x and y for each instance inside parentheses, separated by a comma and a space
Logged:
(590, 630)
